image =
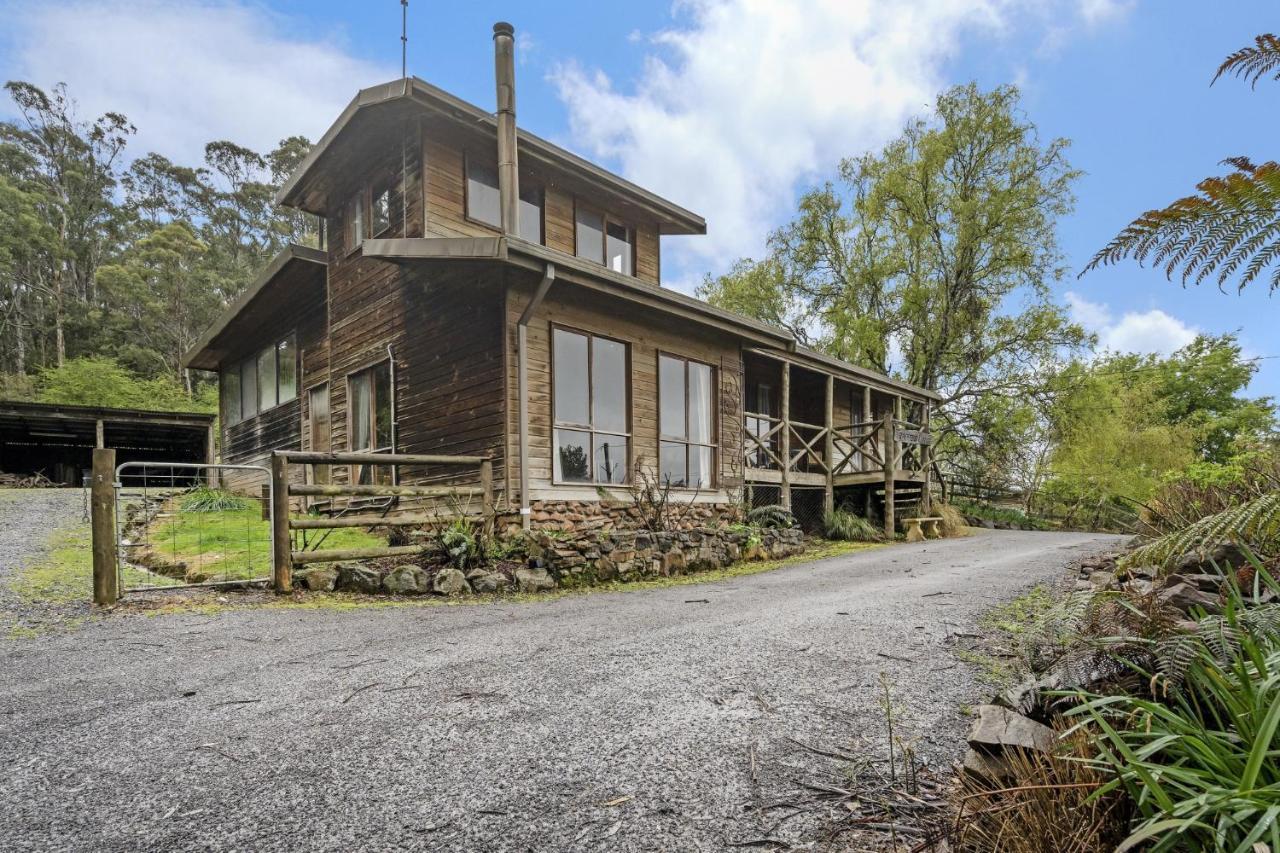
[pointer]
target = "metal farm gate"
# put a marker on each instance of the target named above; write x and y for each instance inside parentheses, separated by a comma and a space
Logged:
(175, 526)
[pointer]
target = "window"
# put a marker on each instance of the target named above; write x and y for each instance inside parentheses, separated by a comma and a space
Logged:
(618, 248)
(380, 210)
(483, 202)
(369, 396)
(267, 397)
(355, 222)
(318, 429)
(600, 239)
(230, 395)
(592, 441)
(260, 382)
(589, 234)
(531, 214)
(686, 423)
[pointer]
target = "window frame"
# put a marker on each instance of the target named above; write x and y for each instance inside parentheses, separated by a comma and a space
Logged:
(467, 156)
(354, 472)
(687, 440)
(542, 209)
(607, 219)
(590, 429)
(358, 202)
(252, 360)
(385, 184)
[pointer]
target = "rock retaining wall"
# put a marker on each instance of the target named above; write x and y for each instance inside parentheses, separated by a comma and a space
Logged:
(567, 559)
(604, 516)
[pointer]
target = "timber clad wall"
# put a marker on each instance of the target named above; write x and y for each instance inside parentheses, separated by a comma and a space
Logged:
(646, 334)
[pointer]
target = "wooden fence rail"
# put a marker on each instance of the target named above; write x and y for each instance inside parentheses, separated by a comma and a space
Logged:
(282, 490)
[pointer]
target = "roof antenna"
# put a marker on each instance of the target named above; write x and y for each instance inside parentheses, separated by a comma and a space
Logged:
(404, 38)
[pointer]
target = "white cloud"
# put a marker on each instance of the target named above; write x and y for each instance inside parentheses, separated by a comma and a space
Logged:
(1096, 12)
(186, 73)
(745, 99)
(1153, 331)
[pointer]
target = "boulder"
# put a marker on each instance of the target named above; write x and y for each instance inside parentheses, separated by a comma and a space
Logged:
(534, 580)
(483, 581)
(1184, 597)
(450, 582)
(993, 769)
(998, 728)
(987, 523)
(320, 579)
(354, 577)
(406, 580)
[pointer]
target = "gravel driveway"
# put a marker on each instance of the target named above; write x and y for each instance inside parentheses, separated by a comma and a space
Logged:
(613, 721)
(29, 520)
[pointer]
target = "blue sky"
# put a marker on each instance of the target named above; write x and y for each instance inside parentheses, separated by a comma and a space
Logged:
(731, 107)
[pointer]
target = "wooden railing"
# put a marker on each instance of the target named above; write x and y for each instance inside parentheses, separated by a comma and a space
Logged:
(283, 524)
(857, 448)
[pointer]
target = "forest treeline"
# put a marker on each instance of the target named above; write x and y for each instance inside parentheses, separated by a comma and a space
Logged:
(112, 264)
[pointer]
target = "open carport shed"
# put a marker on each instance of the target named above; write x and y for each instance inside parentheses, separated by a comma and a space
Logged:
(57, 441)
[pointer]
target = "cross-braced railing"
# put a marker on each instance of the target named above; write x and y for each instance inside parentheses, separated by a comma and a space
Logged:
(857, 448)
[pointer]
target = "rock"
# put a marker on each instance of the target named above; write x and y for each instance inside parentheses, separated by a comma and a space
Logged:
(988, 524)
(321, 579)
(406, 580)
(672, 563)
(606, 569)
(534, 580)
(450, 582)
(355, 577)
(1138, 586)
(1211, 583)
(999, 728)
(990, 768)
(1184, 597)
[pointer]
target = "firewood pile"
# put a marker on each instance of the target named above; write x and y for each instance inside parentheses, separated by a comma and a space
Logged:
(27, 481)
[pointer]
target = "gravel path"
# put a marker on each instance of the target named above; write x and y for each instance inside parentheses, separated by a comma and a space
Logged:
(29, 522)
(613, 721)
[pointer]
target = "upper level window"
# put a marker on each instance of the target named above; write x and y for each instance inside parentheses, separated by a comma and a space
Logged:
(380, 209)
(592, 441)
(604, 241)
(589, 234)
(686, 452)
(483, 202)
(531, 214)
(619, 246)
(355, 222)
(265, 379)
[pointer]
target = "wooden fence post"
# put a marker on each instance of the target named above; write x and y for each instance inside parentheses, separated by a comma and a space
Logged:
(829, 446)
(106, 576)
(487, 503)
(281, 543)
(890, 462)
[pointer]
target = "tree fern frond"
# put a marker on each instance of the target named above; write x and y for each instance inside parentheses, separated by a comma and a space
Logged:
(1255, 521)
(1254, 62)
(1231, 226)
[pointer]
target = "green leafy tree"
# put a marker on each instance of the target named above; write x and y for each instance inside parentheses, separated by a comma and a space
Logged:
(932, 260)
(1232, 227)
(103, 382)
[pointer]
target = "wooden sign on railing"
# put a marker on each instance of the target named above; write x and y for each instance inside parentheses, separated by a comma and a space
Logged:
(912, 436)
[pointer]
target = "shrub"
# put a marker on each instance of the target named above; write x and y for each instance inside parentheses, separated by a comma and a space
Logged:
(205, 499)
(459, 543)
(1198, 758)
(771, 517)
(953, 521)
(845, 526)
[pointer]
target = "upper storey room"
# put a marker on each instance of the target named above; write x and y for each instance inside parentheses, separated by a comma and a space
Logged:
(406, 159)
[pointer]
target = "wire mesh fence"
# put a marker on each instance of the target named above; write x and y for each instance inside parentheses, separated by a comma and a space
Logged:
(177, 526)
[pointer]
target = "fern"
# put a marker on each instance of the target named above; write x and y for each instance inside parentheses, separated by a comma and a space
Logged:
(1232, 227)
(1255, 62)
(1256, 521)
(1219, 636)
(771, 516)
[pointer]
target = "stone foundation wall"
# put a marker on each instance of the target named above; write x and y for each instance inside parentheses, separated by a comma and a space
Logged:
(605, 516)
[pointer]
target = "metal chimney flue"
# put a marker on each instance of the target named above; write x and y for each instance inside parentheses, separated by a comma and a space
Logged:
(504, 72)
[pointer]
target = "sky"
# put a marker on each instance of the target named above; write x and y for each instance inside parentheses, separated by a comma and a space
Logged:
(731, 108)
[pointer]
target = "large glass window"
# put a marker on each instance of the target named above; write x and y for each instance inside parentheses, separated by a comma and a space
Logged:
(355, 222)
(589, 234)
(260, 382)
(686, 418)
(369, 402)
(619, 248)
(592, 437)
(483, 202)
(267, 392)
(531, 214)
(230, 395)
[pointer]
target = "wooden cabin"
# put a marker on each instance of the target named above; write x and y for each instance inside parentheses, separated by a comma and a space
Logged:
(484, 292)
